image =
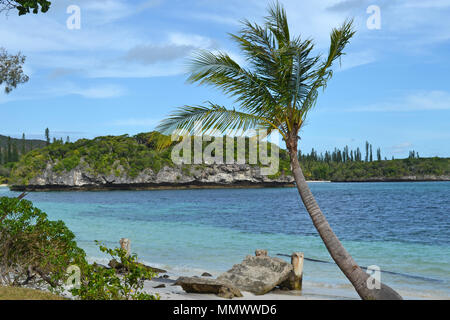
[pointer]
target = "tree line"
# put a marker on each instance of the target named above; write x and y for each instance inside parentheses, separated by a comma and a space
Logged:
(12, 149)
(348, 155)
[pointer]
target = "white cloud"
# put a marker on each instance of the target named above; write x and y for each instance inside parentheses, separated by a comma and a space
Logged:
(420, 101)
(356, 59)
(98, 52)
(61, 89)
(402, 147)
(150, 54)
(99, 92)
(135, 122)
(426, 4)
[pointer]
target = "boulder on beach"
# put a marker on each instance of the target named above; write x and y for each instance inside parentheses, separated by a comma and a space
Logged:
(202, 285)
(257, 275)
(206, 274)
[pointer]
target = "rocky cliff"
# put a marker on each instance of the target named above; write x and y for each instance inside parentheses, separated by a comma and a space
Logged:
(83, 177)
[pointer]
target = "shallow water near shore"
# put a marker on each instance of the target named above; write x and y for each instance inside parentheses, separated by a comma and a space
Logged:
(400, 227)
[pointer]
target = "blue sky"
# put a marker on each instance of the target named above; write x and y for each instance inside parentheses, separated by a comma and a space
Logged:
(124, 70)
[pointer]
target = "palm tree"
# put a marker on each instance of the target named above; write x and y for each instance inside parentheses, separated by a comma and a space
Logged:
(275, 92)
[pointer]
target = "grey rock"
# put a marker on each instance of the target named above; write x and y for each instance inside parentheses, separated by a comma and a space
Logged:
(201, 285)
(160, 286)
(85, 177)
(258, 275)
(206, 274)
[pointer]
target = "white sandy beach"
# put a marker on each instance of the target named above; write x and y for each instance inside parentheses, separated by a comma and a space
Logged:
(311, 291)
(171, 292)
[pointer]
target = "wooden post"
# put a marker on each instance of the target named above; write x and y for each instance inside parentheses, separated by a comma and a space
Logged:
(125, 244)
(297, 263)
(260, 253)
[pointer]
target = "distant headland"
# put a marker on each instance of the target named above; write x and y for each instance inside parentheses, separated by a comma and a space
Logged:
(135, 163)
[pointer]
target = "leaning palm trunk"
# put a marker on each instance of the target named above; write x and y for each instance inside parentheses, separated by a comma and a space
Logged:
(343, 259)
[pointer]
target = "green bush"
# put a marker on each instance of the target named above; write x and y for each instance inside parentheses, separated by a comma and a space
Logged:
(99, 283)
(36, 250)
(33, 248)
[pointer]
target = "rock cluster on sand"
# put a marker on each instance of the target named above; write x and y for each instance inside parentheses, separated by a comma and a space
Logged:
(258, 275)
(202, 285)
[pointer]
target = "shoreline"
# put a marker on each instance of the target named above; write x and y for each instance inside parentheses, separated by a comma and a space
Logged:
(310, 290)
(145, 187)
(171, 292)
(163, 285)
(150, 187)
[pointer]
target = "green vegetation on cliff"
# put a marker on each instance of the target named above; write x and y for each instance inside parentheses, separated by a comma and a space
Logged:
(125, 155)
(117, 155)
(105, 155)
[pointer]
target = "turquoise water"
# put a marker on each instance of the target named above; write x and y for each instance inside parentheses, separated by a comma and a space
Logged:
(401, 227)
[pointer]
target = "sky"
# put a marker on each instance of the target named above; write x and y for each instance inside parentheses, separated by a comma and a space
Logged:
(124, 69)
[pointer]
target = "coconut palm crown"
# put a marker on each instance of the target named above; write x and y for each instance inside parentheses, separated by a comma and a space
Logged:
(275, 92)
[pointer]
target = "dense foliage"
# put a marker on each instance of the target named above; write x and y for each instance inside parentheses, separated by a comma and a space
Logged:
(25, 6)
(376, 170)
(11, 71)
(33, 248)
(11, 150)
(99, 283)
(124, 155)
(105, 155)
(348, 165)
(117, 155)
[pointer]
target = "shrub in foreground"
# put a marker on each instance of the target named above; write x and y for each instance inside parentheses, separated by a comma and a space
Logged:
(33, 248)
(100, 283)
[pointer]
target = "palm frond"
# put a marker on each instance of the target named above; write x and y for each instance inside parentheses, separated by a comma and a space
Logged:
(220, 70)
(339, 38)
(275, 90)
(211, 119)
(277, 23)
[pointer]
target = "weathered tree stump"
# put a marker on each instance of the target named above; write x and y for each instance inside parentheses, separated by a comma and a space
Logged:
(125, 244)
(295, 279)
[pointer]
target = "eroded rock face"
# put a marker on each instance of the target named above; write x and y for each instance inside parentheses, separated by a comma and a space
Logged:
(215, 175)
(202, 285)
(258, 275)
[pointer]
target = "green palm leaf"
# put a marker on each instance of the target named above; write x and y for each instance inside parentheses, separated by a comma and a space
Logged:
(276, 89)
(210, 119)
